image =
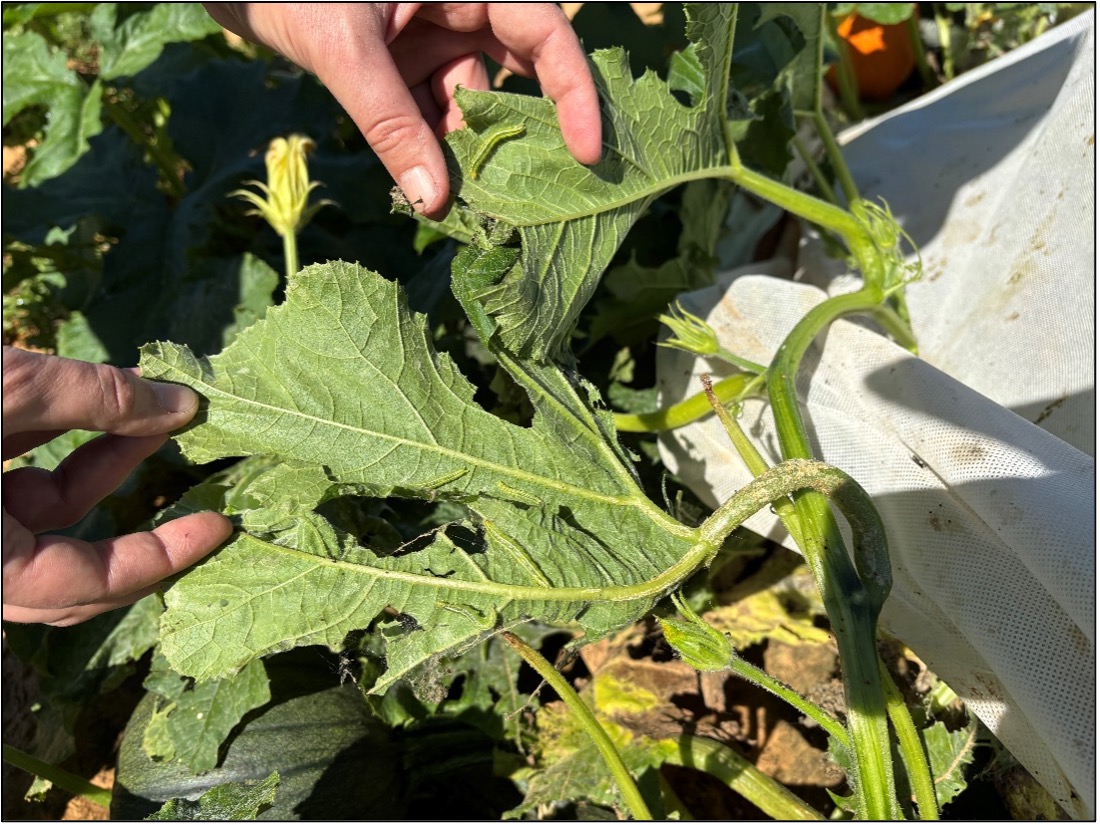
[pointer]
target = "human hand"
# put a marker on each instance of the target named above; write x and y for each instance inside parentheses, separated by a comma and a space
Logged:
(62, 581)
(394, 68)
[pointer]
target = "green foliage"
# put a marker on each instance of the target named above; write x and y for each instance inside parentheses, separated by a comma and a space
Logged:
(151, 268)
(323, 740)
(33, 76)
(539, 535)
(130, 45)
(950, 752)
(571, 219)
(37, 73)
(639, 293)
(312, 725)
(192, 720)
(230, 802)
(409, 473)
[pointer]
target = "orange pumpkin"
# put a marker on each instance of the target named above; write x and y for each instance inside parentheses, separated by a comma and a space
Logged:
(882, 56)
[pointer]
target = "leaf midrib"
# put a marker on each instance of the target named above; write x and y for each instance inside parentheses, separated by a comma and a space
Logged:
(698, 550)
(635, 499)
(655, 189)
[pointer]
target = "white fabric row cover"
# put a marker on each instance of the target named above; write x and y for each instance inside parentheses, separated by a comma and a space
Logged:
(980, 452)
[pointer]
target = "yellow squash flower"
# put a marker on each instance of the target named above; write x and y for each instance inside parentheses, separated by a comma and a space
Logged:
(287, 191)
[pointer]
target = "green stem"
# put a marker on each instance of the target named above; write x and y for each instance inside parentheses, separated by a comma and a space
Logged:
(290, 254)
(895, 323)
(792, 432)
(758, 677)
(911, 749)
(61, 778)
(743, 777)
(832, 149)
(735, 360)
(166, 163)
(912, 28)
(852, 600)
(672, 801)
(801, 204)
(836, 157)
(787, 514)
(943, 28)
(588, 721)
(868, 532)
(824, 188)
(707, 539)
(845, 73)
(751, 456)
(683, 413)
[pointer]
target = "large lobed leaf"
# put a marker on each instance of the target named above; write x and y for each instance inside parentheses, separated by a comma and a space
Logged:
(128, 48)
(343, 385)
(192, 720)
(571, 219)
(36, 74)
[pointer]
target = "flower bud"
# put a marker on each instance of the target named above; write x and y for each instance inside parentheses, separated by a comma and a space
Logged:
(700, 645)
(689, 332)
(288, 186)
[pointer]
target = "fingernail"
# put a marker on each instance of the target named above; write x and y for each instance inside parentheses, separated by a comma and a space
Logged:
(419, 187)
(176, 398)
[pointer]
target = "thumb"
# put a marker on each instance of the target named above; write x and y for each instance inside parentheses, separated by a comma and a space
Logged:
(44, 392)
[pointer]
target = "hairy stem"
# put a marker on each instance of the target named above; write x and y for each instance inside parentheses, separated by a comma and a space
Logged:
(912, 28)
(743, 777)
(752, 458)
(846, 80)
(912, 749)
(61, 778)
(588, 721)
(684, 412)
(290, 254)
(943, 28)
(760, 678)
(824, 188)
(832, 149)
(852, 600)
(801, 204)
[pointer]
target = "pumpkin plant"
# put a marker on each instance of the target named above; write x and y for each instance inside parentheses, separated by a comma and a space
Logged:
(342, 393)
(340, 416)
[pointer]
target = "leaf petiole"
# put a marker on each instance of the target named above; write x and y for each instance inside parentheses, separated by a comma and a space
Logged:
(911, 749)
(588, 722)
(61, 778)
(734, 388)
(741, 775)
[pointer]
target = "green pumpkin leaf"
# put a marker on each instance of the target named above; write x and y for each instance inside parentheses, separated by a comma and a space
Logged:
(232, 801)
(127, 49)
(949, 755)
(571, 218)
(35, 75)
(342, 385)
(192, 720)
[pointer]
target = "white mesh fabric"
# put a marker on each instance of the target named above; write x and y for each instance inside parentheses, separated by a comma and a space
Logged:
(979, 453)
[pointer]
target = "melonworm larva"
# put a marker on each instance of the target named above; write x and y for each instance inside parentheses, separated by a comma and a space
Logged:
(489, 141)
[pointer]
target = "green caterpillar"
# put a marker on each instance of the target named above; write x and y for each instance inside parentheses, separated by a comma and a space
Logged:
(491, 138)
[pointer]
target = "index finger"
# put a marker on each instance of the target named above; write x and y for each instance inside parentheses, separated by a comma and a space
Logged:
(542, 34)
